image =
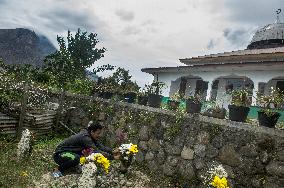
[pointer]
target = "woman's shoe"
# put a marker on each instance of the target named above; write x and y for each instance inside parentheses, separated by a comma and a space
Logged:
(57, 174)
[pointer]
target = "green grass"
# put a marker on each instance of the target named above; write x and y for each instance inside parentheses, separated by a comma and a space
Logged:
(12, 172)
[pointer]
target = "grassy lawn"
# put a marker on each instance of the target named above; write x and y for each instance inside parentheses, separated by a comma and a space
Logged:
(24, 172)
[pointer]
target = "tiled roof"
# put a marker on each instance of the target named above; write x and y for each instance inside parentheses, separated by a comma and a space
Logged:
(242, 52)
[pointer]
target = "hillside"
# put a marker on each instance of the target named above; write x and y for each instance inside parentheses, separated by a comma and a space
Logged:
(23, 46)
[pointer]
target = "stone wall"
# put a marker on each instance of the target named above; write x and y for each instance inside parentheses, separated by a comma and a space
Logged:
(184, 146)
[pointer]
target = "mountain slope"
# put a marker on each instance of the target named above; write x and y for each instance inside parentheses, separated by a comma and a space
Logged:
(23, 46)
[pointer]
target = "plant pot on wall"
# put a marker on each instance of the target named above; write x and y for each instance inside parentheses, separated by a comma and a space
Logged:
(130, 97)
(238, 113)
(172, 104)
(193, 106)
(142, 100)
(268, 120)
(155, 100)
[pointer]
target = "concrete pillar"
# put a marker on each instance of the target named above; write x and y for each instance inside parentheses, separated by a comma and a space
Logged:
(208, 96)
(254, 93)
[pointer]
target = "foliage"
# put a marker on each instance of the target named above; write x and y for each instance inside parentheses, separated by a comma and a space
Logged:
(144, 117)
(213, 109)
(80, 86)
(73, 57)
(10, 91)
(216, 176)
(22, 174)
(23, 72)
(123, 78)
(176, 96)
(103, 68)
(276, 98)
(106, 85)
(119, 82)
(155, 88)
(29, 74)
(196, 98)
(268, 102)
(280, 125)
(175, 128)
(171, 132)
(241, 97)
(142, 91)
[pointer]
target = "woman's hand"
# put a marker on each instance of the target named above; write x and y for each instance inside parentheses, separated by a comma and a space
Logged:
(87, 152)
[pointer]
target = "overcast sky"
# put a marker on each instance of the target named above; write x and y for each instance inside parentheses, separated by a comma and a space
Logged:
(147, 33)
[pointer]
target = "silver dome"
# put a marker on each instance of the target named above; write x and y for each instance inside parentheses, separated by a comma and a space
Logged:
(271, 31)
(271, 35)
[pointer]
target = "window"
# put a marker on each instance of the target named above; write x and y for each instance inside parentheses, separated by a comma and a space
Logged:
(261, 87)
(280, 85)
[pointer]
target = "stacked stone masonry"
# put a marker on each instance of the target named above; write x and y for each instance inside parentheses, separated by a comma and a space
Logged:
(252, 156)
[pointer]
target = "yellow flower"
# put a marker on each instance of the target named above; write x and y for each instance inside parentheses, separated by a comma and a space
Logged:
(133, 149)
(83, 160)
(24, 174)
(103, 161)
(220, 183)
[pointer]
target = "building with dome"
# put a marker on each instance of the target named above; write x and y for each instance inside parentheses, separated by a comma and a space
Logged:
(258, 68)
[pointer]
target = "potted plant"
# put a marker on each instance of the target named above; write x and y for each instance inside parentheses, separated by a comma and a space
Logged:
(193, 103)
(239, 107)
(142, 97)
(214, 110)
(154, 94)
(268, 116)
(174, 101)
(131, 90)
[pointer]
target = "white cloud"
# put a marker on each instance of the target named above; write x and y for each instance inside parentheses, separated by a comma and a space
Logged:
(143, 33)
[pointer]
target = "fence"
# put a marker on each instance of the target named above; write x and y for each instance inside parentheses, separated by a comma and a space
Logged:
(8, 124)
(27, 110)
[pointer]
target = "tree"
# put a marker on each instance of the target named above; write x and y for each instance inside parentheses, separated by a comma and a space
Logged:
(119, 82)
(74, 56)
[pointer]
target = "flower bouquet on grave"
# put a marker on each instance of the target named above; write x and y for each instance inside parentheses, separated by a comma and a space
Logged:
(98, 159)
(128, 151)
(216, 177)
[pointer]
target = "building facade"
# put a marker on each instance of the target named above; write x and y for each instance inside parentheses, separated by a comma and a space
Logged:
(258, 68)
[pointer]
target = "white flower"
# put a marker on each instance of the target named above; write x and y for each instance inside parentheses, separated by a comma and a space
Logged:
(124, 148)
(91, 157)
(215, 170)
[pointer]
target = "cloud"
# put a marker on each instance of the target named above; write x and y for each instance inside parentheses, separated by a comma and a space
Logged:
(131, 30)
(2, 2)
(62, 19)
(255, 12)
(139, 34)
(211, 44)
(238, 37)
(125, 15)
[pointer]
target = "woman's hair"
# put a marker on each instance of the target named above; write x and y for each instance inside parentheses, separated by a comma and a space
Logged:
(93, 126)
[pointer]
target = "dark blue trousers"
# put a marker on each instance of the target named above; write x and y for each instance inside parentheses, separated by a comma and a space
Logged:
(66, 160)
